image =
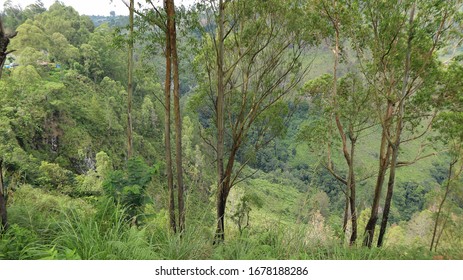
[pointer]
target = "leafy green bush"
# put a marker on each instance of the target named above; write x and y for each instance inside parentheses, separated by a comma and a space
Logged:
(128, 186)
(14, 243)
(56, 178)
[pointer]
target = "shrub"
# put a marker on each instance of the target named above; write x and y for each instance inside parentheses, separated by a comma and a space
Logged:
(128, 186)
(56, 178)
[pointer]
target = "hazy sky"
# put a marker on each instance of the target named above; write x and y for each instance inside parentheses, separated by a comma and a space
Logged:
(92, 7)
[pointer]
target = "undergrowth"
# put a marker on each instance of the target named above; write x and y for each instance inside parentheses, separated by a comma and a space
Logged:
(54, 227)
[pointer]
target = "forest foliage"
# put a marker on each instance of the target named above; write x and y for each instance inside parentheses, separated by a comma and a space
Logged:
(307, 129)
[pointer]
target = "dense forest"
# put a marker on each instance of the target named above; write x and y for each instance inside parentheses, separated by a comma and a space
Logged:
(232, 129)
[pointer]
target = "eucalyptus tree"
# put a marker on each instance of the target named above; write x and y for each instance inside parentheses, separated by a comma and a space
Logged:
(12, 15)
(248, 63)
(397, 42)
(31, 10)
(61, 51)
(164, 21)
(62, 36)
(345, 102)
(30, 36)
(341, 122)
(65, 20)
(130, 62)
(449, 123)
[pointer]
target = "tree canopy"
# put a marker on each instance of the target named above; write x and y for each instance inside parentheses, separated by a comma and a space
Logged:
(232, 129)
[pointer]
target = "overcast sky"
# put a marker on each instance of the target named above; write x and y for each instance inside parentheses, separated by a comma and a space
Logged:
(92, 7)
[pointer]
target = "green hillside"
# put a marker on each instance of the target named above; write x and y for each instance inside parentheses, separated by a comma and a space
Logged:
(256, 119)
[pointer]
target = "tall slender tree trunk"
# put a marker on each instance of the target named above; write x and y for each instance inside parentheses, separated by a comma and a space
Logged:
(345, 220)
(169, 172)
(130, 84)
(384, 157)
(352, 186)
(178, 119)
(349, 208)
(335, 23)
(222, 197)
(3, 210)
(349, 157)
(222, 193)
(441, 205)
(441, 232)
(396, 144)
(390, 189)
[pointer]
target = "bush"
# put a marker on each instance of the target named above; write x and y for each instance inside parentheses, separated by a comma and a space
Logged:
(128, 186)
(56, 178)
(14, 243)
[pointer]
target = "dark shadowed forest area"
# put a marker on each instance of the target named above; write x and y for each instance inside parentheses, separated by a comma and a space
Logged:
(232, 129)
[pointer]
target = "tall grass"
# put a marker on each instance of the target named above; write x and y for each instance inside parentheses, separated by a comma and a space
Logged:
(191, 244)
(106, 235)
(296, 243)
(46, 227)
